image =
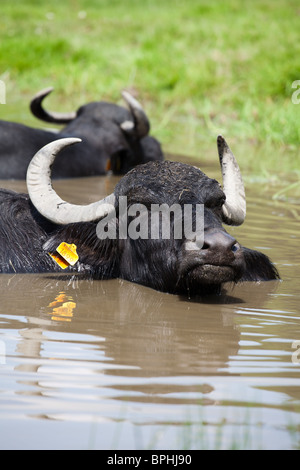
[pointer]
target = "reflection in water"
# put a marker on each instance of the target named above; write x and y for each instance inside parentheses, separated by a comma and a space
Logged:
(62, 307)
(111, 364)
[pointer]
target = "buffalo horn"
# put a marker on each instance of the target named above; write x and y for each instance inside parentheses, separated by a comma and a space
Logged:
(141, 125)
(234, 208)
(39, 112)
(45, 199)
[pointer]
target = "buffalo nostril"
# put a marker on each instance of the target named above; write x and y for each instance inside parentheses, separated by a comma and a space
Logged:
(235, 247)
(219, 241)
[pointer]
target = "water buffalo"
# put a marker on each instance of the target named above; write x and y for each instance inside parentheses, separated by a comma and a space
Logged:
(114, 138)
(33, 226)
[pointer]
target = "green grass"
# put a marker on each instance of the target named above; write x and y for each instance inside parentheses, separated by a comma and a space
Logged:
(199, 67)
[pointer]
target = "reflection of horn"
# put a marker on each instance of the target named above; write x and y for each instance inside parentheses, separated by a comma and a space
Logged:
(141, 122)
(234, 208)
(45, 199)
(39, 112)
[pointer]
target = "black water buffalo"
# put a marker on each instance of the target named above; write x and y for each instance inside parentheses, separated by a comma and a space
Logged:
(33, 226)
(114, 138)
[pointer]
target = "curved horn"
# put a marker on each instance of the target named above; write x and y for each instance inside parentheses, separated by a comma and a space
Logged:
(39, 112)
(141, 122)
(234, 208)
(45, 199)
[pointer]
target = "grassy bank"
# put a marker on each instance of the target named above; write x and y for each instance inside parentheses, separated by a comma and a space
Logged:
(199, 67)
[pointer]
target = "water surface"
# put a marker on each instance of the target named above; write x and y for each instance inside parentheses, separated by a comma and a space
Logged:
(113, 365)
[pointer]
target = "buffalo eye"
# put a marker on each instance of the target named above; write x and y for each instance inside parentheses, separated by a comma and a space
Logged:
(220, 201)
(215, 202)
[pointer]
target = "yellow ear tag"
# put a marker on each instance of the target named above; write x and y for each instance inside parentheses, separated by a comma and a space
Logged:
(108, 165)
(65, 255)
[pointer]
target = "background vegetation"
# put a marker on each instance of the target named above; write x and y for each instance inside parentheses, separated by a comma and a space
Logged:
(199, 67)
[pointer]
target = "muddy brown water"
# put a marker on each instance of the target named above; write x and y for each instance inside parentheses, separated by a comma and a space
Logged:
(114, 365)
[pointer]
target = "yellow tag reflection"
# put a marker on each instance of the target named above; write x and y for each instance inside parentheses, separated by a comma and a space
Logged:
(62, 307)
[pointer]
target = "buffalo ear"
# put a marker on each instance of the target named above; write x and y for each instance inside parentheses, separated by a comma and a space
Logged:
(100, 257)
(258, 267)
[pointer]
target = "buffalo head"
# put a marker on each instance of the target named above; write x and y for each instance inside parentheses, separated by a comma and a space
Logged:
(117, 135)
(172, 264)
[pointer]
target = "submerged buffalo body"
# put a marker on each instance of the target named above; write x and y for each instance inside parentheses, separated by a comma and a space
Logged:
(33, 226)
(114, 138)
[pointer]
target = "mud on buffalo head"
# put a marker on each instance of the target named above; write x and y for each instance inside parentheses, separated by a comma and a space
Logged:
(118, 135)
(184, 264)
